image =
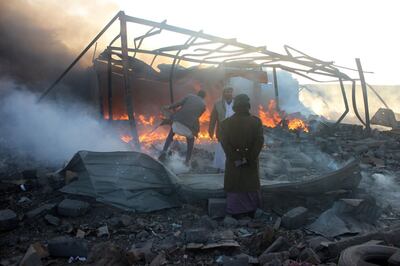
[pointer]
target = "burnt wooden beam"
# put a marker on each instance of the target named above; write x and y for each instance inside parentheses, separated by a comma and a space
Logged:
(127, 83)
(109, 86)
(276, 89)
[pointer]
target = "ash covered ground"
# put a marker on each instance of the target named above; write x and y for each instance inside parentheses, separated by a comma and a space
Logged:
(50, 229)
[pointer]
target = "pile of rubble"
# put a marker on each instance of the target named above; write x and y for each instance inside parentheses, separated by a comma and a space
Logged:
(41, 226)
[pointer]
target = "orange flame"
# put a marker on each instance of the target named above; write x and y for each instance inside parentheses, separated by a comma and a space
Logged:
(296, 124)
(272, 118)
(147, 134)
(147, 122)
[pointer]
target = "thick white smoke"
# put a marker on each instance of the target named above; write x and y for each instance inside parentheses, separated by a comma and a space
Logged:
(384, 187)
(49, 132)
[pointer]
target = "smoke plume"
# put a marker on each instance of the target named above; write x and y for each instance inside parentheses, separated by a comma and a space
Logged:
(39, 39)
(50, 132)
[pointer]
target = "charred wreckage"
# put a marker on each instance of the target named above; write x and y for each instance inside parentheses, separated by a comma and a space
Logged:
(319, 179)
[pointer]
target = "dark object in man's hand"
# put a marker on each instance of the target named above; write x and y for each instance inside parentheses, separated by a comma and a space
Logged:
(241, 163)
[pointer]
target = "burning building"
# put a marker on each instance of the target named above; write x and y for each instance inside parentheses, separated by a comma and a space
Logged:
(132, 83)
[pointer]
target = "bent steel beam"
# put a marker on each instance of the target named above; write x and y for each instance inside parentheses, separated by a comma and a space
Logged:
(346, 104)
(80, 56)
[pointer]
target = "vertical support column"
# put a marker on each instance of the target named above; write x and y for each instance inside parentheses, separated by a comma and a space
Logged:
(276, 88)
(127, 84)
(256, 95)
(109, 86)
(171, 81)
(100, 92)
(365, 95)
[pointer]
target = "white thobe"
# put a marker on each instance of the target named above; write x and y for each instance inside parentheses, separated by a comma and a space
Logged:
(219, 157)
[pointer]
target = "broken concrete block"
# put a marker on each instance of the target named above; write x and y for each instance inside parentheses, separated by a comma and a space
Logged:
(24, 200)
(159, 260)
(230, 222)
(52, 220)
(40, 249)
(8, 220)
(280, 244)
(295, 218)
(361, 148)
(103, 231)
(42, 210)
(139, 252)
(362, 209)
(308, 255)
(67, 247)
(126, 220)
(80, 234)
(31, 258)
(216, 208)
(198, 235)
(273, 257)
(107, 254)
(72, 208)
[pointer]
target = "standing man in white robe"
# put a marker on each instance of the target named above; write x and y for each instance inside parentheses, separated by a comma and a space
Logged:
(222, 110)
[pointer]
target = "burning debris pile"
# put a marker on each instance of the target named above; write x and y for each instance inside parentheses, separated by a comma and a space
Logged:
(330, 191)
(41, 224)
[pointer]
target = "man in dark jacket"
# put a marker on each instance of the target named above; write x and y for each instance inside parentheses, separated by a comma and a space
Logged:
(222, 109)
(242, 140)
(185, 121)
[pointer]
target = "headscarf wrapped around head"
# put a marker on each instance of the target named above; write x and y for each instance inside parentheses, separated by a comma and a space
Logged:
(241, 104)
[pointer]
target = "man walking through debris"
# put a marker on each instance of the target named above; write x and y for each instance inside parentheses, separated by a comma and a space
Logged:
(222, 110)
(242, 140)
(185, 122)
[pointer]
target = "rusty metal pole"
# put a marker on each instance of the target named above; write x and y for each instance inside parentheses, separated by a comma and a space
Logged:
(365, 95)
(127, 83)
(109, 85)
(276, 88)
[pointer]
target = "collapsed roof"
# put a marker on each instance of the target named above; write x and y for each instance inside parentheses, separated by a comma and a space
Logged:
(198, 50)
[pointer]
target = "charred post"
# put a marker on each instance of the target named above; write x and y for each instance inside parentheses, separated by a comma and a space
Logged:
(127, 84)
(276, 87)
(109, 85)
